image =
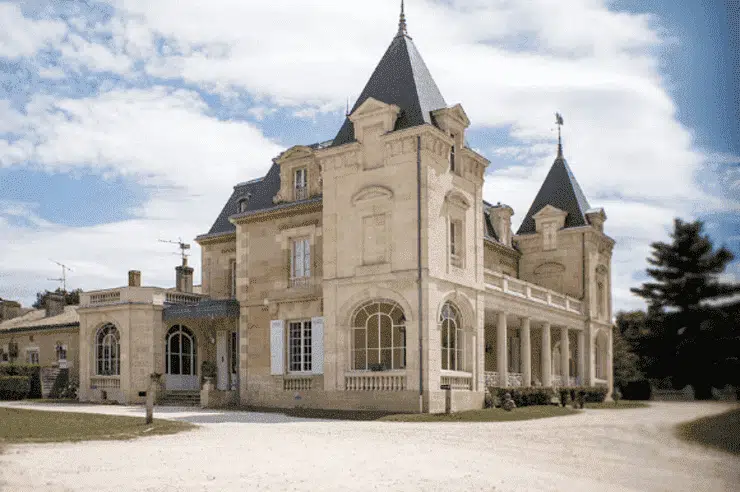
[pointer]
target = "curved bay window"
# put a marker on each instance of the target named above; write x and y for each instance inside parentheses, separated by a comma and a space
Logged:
(452, 336)
(379, 337)
(107, 351)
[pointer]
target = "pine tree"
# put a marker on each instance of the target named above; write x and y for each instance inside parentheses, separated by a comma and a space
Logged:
(690, 337)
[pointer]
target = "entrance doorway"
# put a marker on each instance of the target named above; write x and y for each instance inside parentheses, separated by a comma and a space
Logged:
(181, 359)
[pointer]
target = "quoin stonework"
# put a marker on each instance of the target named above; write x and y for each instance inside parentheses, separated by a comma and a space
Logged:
(364, 272)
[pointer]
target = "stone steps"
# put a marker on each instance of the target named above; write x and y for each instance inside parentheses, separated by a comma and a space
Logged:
(180, 399)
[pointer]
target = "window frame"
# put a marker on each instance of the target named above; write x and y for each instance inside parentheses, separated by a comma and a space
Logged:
(377, 309)
(300, 271)
(110, 357)
(450, 317)
(300, 186)
(232, 277)
(300, 347)
(34, 350)
(455, 242)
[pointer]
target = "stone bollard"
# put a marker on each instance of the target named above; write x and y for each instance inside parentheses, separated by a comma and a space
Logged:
(448, 397)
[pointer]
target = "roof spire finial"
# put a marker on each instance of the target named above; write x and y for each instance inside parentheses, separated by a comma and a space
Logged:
(559, 122)
(402, 23)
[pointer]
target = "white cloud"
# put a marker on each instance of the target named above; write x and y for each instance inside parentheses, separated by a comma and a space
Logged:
(20, 36)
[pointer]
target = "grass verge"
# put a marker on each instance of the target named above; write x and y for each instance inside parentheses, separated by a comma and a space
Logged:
(486, 415)
(24, 426)
(717, 431)
(622, 405)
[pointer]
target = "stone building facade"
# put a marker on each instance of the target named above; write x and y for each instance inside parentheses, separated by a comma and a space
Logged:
(369, 272)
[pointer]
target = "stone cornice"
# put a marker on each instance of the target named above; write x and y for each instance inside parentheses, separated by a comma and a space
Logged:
(221, 237)
(291, 208)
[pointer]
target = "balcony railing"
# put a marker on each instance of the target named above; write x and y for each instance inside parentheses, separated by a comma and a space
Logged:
(375, 381)
(182, 298)
(301, 193)
(513, 286)
(297, 383)
(491, 378)
(457, 380)
(109, 297)
(298, 282)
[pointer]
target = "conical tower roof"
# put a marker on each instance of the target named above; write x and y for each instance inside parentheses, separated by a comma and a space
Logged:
(561, 190)
(401, 78)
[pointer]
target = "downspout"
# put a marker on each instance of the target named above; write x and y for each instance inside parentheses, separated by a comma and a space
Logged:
(418, 254)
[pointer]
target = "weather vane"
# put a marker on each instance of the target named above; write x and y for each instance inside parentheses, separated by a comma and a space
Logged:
(559, 122)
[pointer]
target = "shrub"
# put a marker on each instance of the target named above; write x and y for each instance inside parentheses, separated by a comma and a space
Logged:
(208, 369)
(60, 384)
(523, 397)
(14, 387)
(70, 392)
(32, 371)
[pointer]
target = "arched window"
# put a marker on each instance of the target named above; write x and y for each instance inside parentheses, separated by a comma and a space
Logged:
(379, 337)
(107, 351)
(450, 324)
(181, 351)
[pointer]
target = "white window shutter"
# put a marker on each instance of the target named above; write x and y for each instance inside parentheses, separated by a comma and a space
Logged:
(277, 349)
(317, 345)
(307, 258)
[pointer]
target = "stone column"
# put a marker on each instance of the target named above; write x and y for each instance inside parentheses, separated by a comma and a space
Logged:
(501, 353)
(526, 352)
(610, 366)
(581, 354)
(564, 355)
(546, 355)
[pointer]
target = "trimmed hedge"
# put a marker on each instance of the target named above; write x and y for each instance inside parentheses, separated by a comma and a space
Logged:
(522, 396)
(14, 387)
(60, 384)
(535, 395)
(31, 371)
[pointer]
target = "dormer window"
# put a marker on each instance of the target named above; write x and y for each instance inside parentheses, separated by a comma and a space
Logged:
(300, 184)
(242, 205)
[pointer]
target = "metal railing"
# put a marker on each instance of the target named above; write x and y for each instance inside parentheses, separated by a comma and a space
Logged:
(301, 192)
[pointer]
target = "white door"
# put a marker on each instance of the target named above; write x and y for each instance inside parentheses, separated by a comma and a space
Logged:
(222, 360)
(181, 359)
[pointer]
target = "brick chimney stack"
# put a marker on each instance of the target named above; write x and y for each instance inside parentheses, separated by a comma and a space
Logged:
(54, 304)
(9, 310)
(134, 278)
(184, 277)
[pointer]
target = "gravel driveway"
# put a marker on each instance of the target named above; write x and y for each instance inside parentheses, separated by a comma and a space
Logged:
(598, 450)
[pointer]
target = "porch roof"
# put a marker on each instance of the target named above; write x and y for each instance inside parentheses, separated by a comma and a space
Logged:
(206, 309)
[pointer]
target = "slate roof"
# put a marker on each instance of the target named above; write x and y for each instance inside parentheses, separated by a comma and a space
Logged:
(401, 78)
(561, 190)
(259, 193)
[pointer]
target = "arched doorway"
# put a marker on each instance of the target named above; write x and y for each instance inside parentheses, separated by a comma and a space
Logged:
(181, 360)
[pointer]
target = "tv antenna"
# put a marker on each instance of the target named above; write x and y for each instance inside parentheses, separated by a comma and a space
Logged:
(63, 278)
(183, 247)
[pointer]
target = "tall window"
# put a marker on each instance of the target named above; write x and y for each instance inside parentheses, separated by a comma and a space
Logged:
(300, 262)
(181, 352)
(300, 184)
(452, 337)
(379, 337)
(232, 277)
(108, 351)
(456, 243)
(453, 164)
(234, 352)
(32, 356)
(299, 345)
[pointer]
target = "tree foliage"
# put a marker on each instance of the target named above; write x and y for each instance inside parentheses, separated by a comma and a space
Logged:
(690, 331)
(71, 297)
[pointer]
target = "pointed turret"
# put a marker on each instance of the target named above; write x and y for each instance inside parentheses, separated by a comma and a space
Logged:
(560, 190)
(402, 79)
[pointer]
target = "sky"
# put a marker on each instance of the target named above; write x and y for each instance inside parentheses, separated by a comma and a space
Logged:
(123, 122)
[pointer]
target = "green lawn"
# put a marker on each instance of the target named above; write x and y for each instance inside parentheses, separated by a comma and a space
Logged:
(718, 431)
(622, 405)
(21, 425)
(486, 415)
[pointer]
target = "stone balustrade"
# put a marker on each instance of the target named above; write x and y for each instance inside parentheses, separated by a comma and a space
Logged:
(457, 380)
(375, 381)
(174, 297)
(500, 282)
(105, 382)
(490, 378)
(515, 379)
(297, 383)
(138, 295)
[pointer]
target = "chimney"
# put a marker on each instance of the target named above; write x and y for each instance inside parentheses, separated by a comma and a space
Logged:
(501, 218)
(134, 278)
(54, 304)
(184, 277)
(9, 310)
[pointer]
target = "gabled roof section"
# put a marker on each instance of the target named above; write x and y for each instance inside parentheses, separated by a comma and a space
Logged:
(562, 191)
(401, 78)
